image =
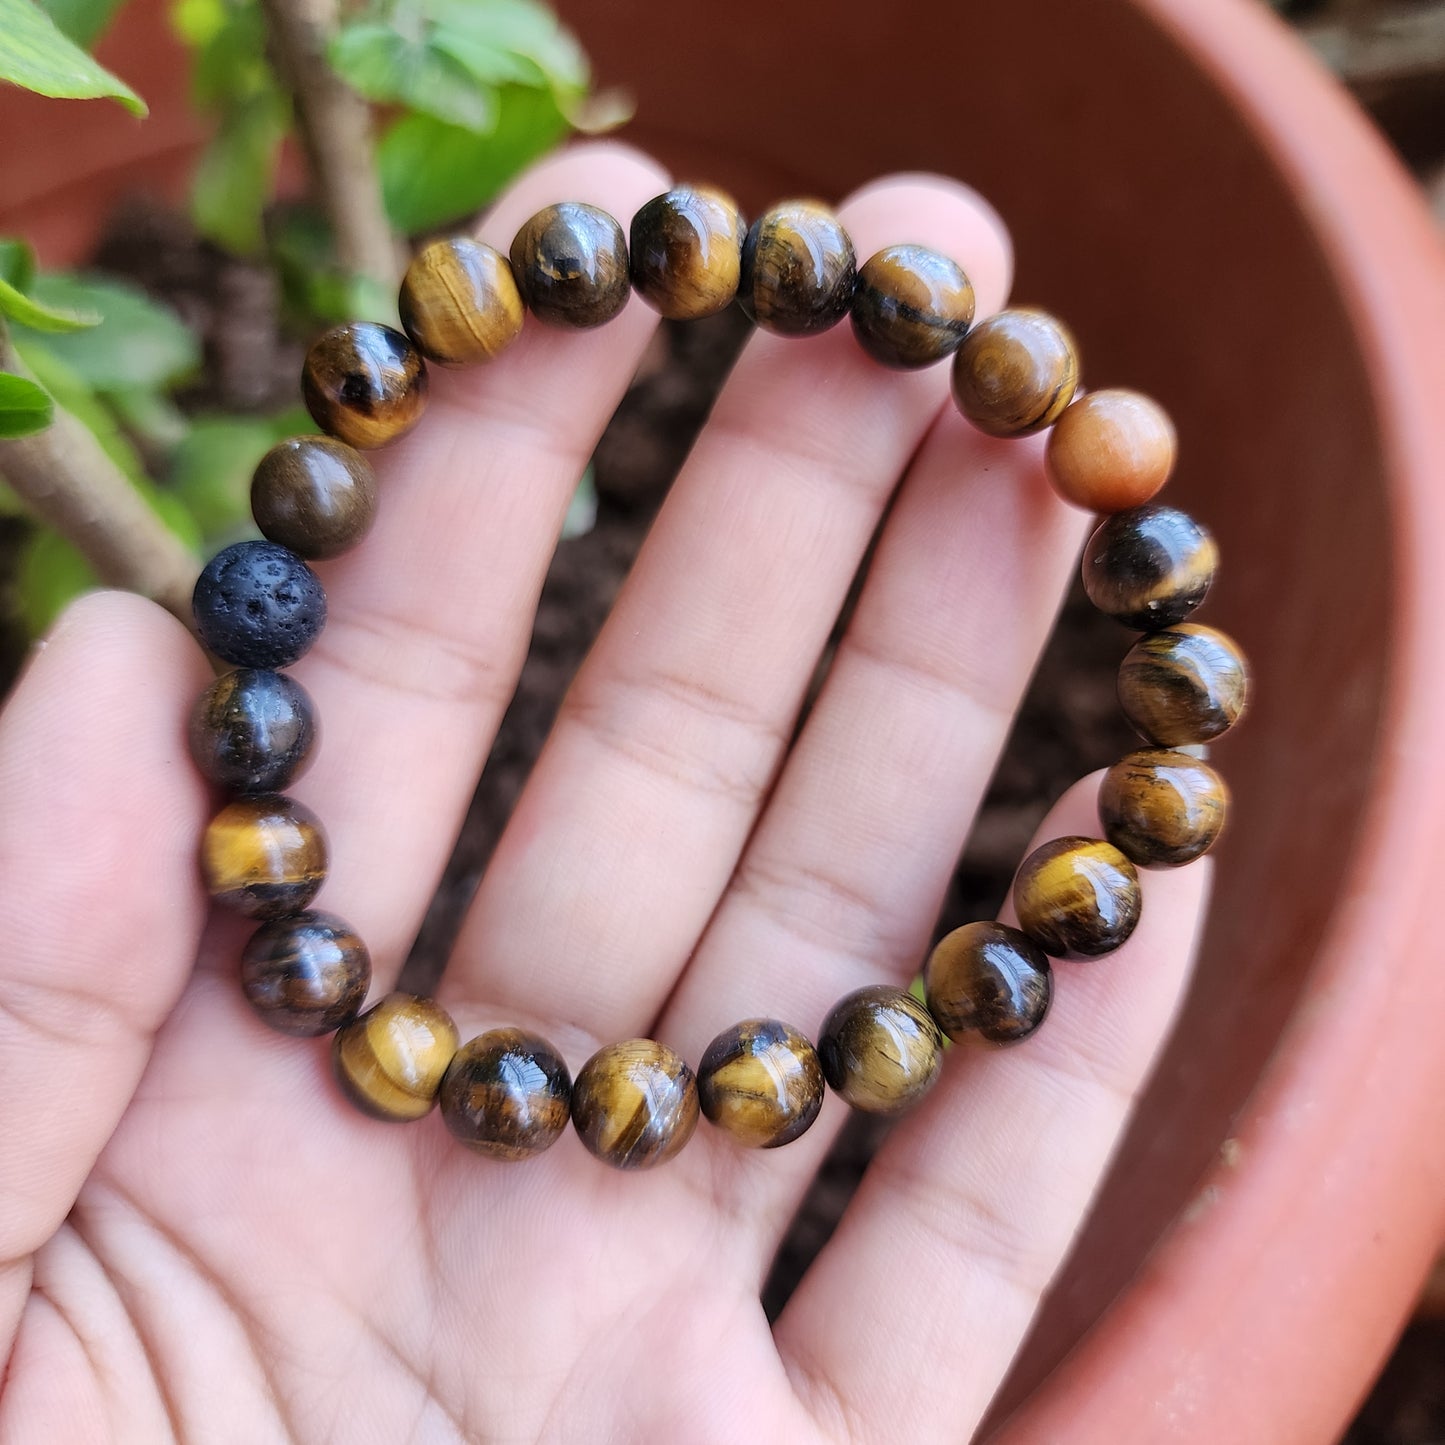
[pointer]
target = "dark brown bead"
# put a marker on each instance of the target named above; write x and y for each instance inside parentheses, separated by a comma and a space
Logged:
(305, 974)
(635, 1104)
(988, 981)
(912, 306)
(1184, 685)
(1162, 809)
(265, 856)
(798, 269)
(459, 302)
(1149, 567)
(252, 731)
(880, 1049)
(687, 249)
(570, 261)
(1077, 897)
(762, 1082)
(1015, 372)
(365, 384)
(390, 1061)
(1111, 450)
(315, 495)
(506, 1094)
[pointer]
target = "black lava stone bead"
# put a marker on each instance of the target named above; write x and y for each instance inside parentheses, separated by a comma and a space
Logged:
(258, 605)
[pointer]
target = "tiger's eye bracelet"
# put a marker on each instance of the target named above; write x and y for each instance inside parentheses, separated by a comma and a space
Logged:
(259, 607)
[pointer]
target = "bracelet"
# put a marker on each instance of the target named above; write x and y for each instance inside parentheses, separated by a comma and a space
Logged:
(259, 607)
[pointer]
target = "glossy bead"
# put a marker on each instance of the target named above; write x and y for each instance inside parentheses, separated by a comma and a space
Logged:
(390, 1061)
(264, 857)
(315, 495)
(798, 269)
(1184, 685)
(459, 302)
(988, 981)
(1077, 897)
(1111, 450)
(912, 306)
(1149, 567)
(687, 249)
(252, 731)
(880, 1049)
(1162, 809)
(305, 974)
(570, 261)
(635, 1104)
(762, 1082)
(506, 1094)
(258, 605)
(365, 384)
(1015, 372)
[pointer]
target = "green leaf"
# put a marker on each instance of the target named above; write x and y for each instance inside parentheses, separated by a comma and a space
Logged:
(230, 53)
(510, 40)
(24, 406)
(233, 178)
(51, 573)
(36, 56)
(391, 68)
(17, 264)
(15, 304)
(83, 21)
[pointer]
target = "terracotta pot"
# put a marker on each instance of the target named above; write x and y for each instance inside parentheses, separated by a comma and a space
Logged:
(1223, 229)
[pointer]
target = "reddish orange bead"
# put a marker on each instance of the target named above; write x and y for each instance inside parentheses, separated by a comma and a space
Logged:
(1111, 450)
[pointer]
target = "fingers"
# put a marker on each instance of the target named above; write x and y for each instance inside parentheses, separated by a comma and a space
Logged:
(970, 1207)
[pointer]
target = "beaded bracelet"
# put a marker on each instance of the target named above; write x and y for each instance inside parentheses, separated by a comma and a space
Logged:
(259, 607)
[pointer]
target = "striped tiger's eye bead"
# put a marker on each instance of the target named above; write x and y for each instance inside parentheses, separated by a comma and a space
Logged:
(258, 605)
(798, 269)
(762, 1082)
(912, 306)
(315, 495)
(1149, 567)
(459, 302)
(988, 981)
(1184, 685)
(880, 1049)
(1077, 897)
(264, 857)
(365, 384)
(1015, 372)
(635, 1104)
(1111, 450)
(1162, 809)
(252, 731)
(390, 1061)
(306, 974)
(506, 1094)
(687, 248)
(570, 261)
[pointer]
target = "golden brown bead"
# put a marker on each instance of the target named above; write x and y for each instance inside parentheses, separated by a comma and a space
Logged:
(1077, 897)
(880, 1049)
(1162, 809)
(988, 981)
(506, 1094)
(1015, 372)
(252, 731)
(365, 384)
(570, 261)
(1149, 567)
(1111, 450)
(264, 856)
(1184, 685)
(635, 1104)
(315, 495)
(459, 302)
(798, 269)
(390, 1061)
(305, 974)
(687, 248)
(912, 306)
(762, 1082)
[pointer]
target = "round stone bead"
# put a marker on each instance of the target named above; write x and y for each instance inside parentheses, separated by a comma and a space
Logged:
(315, 495)
(459, 302)
(762, 1082)
(988, 981)
(390, 1061)
(1162, 809)
(264, 857)
(506, 1094)
(880, 1050)
(365, 384)
(687, 248)
(306, 974)
(258, 605)
(1015, 372)
(912, 306)
(1077, 897)
(1149, 567)
(798, 269)
(570, 261)
(635, 1104)
(1111, 450)
(253, 731)
(1184, 685)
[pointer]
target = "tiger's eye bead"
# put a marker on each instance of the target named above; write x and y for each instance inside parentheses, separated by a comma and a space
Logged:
(1077, 897)
(1015, 372)
(912, 306)
(1149, 567)
(390, 1061)
(315, 495)
(252, 731)
(1162, 809)
(1111, 450)
(459, 302)
(306, 974)
(258, 605)
(989, 981)
(762, 1082)
(687, 249)
(880, 1049)
(265, 856)
(570, 261)
(798, 269)
(365, 384)
(1184, 685)
(635, 1104)
(506, 1094)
